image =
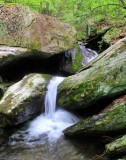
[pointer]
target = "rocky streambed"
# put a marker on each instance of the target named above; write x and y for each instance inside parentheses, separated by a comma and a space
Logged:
(31, 52)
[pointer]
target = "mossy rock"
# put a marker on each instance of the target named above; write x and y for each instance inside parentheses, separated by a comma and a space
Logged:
(24, 99)
(118, 146)
(21, 27)
(72, 63)
(111, 121)
(76, 64)
(105, 77)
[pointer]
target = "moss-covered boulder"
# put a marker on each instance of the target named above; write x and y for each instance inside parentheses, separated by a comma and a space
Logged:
(112, 120)
(71, 61)
(103, 78)
(21, 27)
(77, 61)
(117, 147)
(24, 99)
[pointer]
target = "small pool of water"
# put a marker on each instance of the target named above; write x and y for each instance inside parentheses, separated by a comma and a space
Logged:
(62, 149)
(43, 139)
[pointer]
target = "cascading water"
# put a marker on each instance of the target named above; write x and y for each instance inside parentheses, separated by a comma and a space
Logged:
(50, 99)
(87, 53)
(51, 123)
(44, 140)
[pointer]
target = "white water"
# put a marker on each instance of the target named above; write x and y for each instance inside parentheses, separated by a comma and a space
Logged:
(50, 99)
(87, 53)
(51, 123)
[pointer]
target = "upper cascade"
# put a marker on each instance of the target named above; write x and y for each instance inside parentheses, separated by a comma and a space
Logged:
(87, 53)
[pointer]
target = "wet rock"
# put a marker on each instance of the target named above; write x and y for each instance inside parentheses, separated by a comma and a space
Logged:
(23, 100)
(33, 32)
(110, 121)
(4, 121)
(104, 78)
(1, 88)
(116, 147)
(71, 61)
(74, 59)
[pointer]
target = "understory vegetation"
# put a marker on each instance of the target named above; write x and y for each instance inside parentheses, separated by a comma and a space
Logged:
(79, 13)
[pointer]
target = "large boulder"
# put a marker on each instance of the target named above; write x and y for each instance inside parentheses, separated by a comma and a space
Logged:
(104, 78)
(21, 27)
(23, 100)
(117, 147)
(110, 121)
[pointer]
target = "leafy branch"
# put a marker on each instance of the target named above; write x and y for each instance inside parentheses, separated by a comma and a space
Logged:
(123, 6)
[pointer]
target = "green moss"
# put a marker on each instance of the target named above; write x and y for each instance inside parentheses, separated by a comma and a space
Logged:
(47, 77)
(35, 45)
(85, 88)
(113, 119)
(117, 146)
(77, 64)
(109, 121)
(1, 30)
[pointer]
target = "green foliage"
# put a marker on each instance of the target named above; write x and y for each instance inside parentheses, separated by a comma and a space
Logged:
(77, 12)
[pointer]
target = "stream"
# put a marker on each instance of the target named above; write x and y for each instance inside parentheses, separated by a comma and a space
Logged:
(42, 138)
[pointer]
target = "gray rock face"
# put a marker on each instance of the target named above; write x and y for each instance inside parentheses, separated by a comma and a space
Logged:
(111, 120)
(33, 33)
(23, 100)
(104, 78)
(8, 54)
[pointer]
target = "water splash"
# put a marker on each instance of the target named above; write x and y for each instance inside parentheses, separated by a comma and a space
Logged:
(51, 123)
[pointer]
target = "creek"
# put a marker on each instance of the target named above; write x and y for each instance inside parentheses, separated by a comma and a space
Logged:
(42, 138)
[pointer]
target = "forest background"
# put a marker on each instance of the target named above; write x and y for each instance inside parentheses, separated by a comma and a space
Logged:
(79, 12)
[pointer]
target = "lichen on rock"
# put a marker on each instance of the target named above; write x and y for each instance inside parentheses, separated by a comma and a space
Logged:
(110, 121)
(24, 99)
(103, 78)
(117, 146)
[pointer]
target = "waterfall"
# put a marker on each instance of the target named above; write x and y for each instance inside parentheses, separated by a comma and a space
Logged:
(52, 122)
(50, 99)
(87, 53)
